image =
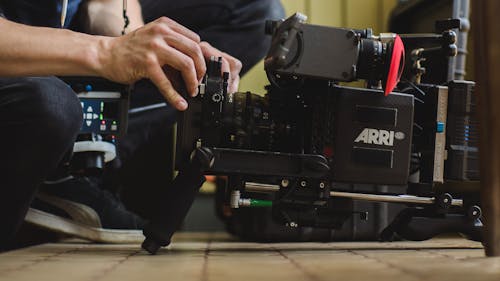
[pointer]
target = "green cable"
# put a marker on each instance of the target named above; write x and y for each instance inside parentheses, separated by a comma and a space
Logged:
(260, 203)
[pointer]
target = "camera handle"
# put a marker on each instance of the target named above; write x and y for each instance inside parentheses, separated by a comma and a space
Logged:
(177, 202)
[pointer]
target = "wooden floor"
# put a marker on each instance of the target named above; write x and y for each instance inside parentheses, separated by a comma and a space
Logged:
(210, 257)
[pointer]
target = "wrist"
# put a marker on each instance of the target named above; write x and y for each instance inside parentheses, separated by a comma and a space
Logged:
(98, 55)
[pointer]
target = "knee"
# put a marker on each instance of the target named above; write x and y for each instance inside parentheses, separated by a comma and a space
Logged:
(56, 107)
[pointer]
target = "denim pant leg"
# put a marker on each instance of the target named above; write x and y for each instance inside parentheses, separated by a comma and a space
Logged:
(39, 120)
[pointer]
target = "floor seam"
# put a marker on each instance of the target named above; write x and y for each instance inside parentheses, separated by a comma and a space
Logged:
(115, 265)
(440, 254)
(206, 254)
(36, 261)
(391, 265)
(311, 276)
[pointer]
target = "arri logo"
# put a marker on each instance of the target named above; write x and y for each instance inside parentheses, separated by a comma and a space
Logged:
(380, 137)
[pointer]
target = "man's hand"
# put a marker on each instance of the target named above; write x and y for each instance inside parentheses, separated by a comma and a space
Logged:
(143, 53)
(229, 64)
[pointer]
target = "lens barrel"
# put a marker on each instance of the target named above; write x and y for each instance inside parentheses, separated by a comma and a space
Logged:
(372, 62)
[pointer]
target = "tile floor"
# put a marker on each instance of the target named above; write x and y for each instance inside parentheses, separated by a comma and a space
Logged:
(211, 257)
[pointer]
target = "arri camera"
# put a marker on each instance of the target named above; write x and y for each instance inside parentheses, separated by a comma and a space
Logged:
(300, 148)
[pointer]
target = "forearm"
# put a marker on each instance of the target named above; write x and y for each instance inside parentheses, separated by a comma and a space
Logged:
(105, 17)
(143, 53)
(32, 51)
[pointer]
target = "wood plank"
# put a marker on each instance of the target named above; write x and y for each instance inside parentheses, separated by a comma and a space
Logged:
(209, 257)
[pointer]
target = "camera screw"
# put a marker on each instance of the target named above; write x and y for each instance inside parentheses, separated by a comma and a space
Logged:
(303, 183)
(284, 183)
(444, 200)
(474, 212)
(363, 216)
(217, 98)
(322, 185)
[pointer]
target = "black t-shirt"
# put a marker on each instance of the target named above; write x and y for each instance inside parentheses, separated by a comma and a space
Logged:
(38, 12)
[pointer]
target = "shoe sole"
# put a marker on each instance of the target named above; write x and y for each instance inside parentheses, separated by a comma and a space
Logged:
(69, 227)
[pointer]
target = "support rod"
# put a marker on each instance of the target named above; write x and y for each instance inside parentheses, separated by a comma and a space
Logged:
(406, 199)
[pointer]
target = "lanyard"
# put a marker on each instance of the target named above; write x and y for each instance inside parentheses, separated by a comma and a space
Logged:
(125, 17)
(64, 11)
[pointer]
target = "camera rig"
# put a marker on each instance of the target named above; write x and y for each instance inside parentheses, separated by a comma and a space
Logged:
(105, 116)
(310, 138)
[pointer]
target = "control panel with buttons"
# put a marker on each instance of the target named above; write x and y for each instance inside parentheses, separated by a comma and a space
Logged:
(104, 104)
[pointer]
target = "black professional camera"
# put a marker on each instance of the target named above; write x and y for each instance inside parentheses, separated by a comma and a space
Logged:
(299, 150)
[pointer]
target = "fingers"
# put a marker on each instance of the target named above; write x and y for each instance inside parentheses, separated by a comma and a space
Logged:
(191, 49)
(233, 88)
(235, 72)
(158, 77)
(179, 49)
(183, 63)
(229, 64)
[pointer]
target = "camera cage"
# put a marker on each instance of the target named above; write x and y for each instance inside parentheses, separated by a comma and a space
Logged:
(270, 144)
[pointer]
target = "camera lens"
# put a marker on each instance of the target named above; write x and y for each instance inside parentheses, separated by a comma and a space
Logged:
(251, 121)
(381, 62)
(371, 62)
(246, 122)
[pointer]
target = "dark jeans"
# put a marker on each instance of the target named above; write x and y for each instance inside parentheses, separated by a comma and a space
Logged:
(39, 120)
(40, 117)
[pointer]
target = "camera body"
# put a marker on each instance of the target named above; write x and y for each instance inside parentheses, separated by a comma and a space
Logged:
(308, 137)
(352, 131)
(298, 153)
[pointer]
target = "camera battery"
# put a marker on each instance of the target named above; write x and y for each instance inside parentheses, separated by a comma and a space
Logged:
(373, 136)
(462, 133)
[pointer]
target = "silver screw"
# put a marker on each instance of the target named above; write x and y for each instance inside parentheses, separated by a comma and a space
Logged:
(285, 182)
(293, 224)
(217, 98)
(303, 183)
(321, 185)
